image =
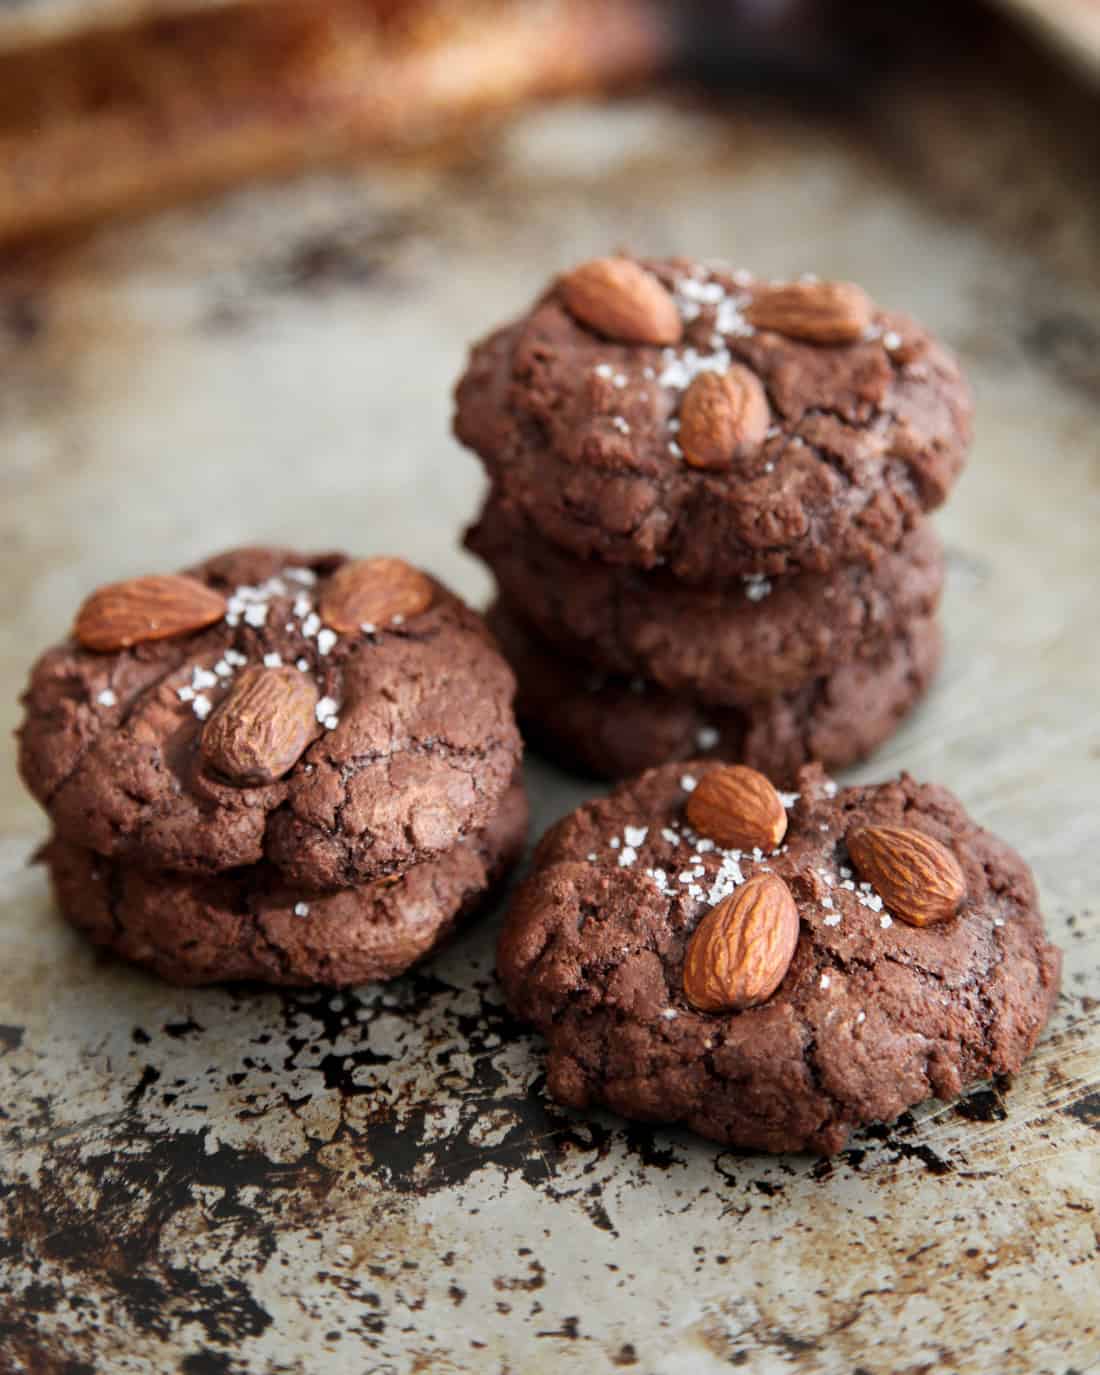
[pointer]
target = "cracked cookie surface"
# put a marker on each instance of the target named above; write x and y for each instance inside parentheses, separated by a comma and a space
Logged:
(413, 746)
(726, 646)
(248, 924)
(611, 726)
(581, 433)
(872, 1016)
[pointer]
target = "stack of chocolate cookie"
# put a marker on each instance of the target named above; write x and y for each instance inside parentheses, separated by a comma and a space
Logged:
(707, 513)
(275, 766)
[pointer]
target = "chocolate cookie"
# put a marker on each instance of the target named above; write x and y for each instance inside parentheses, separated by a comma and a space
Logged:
(680, 414)
(248, 924)
(347, 720)
(611, 727)
(723, 646)
(775, 998)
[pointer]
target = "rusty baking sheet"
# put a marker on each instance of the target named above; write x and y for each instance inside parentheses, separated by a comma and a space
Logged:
(234, 1180)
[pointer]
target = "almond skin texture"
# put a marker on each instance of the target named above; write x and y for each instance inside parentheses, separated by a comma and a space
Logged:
(742, 948)
(374, 592)
(738, 809)
(917, 878)
(263, 726)
(723, 416)
(621, 300)
(819, 312)
(154, 608)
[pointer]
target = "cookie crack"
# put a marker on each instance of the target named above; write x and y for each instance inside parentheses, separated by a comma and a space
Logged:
(123, 721)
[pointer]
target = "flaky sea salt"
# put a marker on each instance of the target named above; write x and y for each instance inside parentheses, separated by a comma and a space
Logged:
(728, 878)
(326, 638)
(689, 782)
(660, 878)
(273, 660)
(301, 909)
(635, 835)
(681, 369)
(107, 698)
(201, 707)
(706, 737)
(756, 588)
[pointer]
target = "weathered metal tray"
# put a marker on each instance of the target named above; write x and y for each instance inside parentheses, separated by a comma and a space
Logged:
(233, 1181)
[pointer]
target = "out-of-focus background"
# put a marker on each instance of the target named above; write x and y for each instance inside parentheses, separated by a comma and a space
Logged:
(243, 249)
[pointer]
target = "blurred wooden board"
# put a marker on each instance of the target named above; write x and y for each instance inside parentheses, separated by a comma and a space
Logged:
(237, 1181)
(27, 23)
(121, 120)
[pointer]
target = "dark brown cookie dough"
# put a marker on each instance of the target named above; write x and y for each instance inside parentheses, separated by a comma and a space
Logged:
(580, 432)
(611, 727)
(725, 646)
(248, 924)
(872, 1016)
(413, 745)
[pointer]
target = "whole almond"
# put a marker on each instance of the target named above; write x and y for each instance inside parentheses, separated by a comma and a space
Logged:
(743, 947)
(154, 608)
(820, 312)
(917, 878)
(374, 592)
(738, 809)
(723, 416)
(620, 299)
(263, 726)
